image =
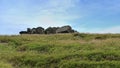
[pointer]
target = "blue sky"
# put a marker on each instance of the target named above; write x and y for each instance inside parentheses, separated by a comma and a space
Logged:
(93, 16)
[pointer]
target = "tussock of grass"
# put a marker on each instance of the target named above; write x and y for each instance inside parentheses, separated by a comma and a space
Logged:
(5, 65)
(60, 51)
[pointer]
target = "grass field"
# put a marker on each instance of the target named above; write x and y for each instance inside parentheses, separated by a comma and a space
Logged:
(60, 51)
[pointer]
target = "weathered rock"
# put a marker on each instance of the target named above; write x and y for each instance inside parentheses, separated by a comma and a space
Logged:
(65, 29)
(33, 31)
(49, 30)
(23, 32)
(29, 30)
(39, 30)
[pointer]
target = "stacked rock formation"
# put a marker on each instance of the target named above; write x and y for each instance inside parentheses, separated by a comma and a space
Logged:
(49, 30)
(38, 30)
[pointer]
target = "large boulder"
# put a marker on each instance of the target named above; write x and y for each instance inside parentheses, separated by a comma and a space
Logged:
(65, 29)
(51, 30)
(40, 30)
(33, 31)
(29, 30)
(23, 32)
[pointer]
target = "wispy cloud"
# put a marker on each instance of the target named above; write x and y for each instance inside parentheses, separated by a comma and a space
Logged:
(83, 15)
(53, 12)
(32, 13)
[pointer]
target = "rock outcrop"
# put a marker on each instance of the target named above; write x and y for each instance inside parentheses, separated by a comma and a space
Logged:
(49, 30)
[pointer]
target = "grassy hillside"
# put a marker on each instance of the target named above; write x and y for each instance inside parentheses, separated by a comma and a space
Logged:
(60, 51)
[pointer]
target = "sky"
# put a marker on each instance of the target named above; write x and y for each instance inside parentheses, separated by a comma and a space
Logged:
(86, 16)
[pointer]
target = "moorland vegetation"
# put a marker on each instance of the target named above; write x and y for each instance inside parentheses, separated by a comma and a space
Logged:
(76, 50)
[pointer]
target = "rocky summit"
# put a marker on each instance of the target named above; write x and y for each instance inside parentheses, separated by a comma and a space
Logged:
(49, 30)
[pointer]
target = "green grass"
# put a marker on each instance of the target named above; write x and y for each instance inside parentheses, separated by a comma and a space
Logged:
(60, 51)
